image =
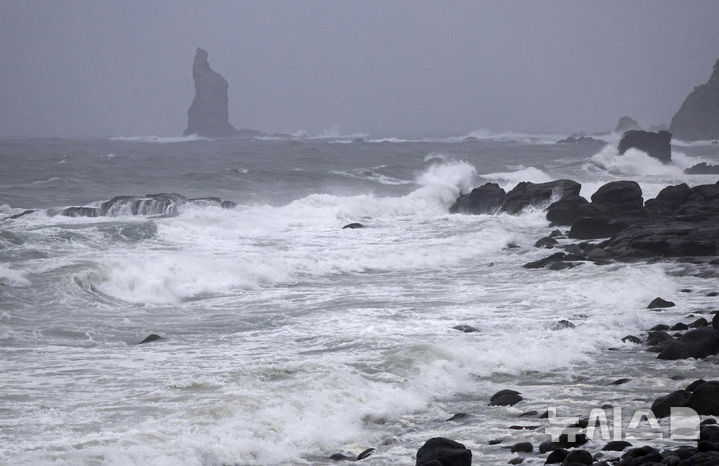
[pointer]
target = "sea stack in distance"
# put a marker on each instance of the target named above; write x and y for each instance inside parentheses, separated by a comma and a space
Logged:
(208, 115)
(698, 117)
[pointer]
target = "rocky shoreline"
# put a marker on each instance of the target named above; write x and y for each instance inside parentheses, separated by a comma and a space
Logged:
(616, 225)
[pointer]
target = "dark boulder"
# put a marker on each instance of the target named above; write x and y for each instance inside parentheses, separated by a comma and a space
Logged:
(485, 199)
(658, 338)
(546, 242)
(658, 303)
(150, 338)
(557, 456)
(617, 445)
(81, 212)
(527, 194)
(352, 226)
(701, 342)
(564, 211)
(522, 447)
(698, 116)
(674, 351)
(505, 398)
(662, 405)
(576, 457)
(699, 323)
(547, 261)
(657, 145)
(705, 399)
(715, 321)
(465, 328)
(631, 339)
(444, 452)
(624, 194)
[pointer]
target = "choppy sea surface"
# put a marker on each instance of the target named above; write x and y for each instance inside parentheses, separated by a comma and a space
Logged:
(286, 338)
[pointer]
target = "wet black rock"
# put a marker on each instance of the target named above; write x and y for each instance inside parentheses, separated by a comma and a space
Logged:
(527, 194)
(657, 145)
(546, 242)
(366, 453)
(459, 417)
(557, 456)
(658, 337)
(505, 398)
(557, 257)
(705, 399)
(699, 323)
(485, 199)
(445, 452)
(352, 226)
(465, 328)
(621, 381)
(658, 303)
(662, 405)
(522, 447)
(617, 445)
(701, 342)
(565, 211)
(632, 339)
(163, 204)
(673, 351)
(150, 338)
(659, 327)
(679, 326)
(562, 324)
(715, 321)
(577, 457)
(340, 457)
(622, 194)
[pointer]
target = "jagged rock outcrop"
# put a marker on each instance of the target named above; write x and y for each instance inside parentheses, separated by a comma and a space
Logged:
(657, 145)
(625, 124)
(483, 200)
(698, 117)
(527, 194)
(208, 115)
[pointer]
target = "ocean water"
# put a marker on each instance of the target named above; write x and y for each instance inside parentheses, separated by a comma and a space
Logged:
(286, 338)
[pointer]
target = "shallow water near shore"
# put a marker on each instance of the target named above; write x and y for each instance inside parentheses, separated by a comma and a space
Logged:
(286, 338)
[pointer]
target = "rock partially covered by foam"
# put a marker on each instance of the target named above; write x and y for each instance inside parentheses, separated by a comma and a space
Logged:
(445, 452)
(657, 145)
(483, 200)
(698, 117)
(166, 204)
(208, 115)
(527, 194)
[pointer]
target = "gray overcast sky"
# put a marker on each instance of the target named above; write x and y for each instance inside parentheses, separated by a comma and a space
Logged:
(85, 68)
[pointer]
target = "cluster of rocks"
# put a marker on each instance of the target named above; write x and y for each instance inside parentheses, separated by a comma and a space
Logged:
(681, 221)
(167, 204)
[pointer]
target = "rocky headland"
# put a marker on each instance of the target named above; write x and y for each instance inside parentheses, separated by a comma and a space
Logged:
(698, 116)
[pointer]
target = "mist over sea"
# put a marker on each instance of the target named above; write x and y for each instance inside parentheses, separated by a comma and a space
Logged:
(286, 338)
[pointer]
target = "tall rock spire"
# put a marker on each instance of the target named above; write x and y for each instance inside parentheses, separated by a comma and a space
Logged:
(208, 115)
(698, 117)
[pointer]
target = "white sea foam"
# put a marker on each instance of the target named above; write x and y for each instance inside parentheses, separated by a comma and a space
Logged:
(10, 276)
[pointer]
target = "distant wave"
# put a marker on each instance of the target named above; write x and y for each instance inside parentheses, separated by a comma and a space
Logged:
(161, 139)
(637, 163)
(370, 175)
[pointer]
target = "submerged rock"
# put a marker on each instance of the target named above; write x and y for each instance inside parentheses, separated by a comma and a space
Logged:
(441, 451)
(505, 398)
(660, 303)
(353, 226)
(208, 115)
(657, 145)
(150, 338)
(698, 116)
